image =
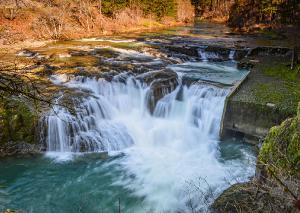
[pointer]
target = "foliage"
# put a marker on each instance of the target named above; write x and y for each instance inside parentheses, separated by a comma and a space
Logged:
(17, 121)
(19, 100)
(281, 148)
(287, 95)
(276, 186)
(159, 8)
(246, 13)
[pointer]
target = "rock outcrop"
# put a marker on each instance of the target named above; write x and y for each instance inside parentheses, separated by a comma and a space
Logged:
(276, 187)
(161, 83)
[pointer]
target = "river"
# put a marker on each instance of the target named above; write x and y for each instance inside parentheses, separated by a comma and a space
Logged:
(164, 158)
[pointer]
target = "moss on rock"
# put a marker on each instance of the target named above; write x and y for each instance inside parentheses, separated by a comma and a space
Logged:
(278, 175)
(17, 121)
(281, 148)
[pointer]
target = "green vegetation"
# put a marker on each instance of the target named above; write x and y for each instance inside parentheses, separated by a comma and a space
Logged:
(284, 72)
(276, 186)
(245, 14)
(284, 91)
(281, 149)
(159, 8)
(17, 121)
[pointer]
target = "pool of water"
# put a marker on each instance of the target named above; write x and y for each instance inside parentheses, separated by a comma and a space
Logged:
(86, 183)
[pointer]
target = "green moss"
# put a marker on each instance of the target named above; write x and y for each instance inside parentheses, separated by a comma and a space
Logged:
(17, 121)
(74, 61)
(281, 149)
(283, 72)
(283, 91)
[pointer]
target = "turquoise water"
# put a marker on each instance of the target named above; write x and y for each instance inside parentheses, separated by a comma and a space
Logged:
(85, 183)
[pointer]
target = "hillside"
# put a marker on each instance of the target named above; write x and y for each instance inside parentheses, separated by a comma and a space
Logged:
(62, 19)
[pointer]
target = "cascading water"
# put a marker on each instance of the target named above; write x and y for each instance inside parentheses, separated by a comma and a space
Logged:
(203, 55)
(94, 126)
(165, 152)
(176, 147)
(231, 55)
(169, 160)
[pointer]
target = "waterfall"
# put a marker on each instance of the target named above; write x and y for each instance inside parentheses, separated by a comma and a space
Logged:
(99, 122)
(231, 55)
(176, 147)
(207, 55)
(203, 55)
(164, 152)
(93, 127)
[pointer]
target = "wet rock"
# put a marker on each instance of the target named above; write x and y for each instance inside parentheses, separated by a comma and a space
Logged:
(109, 76)
(184, 49)
(48, 69)
(240, 54)
(105, 52)
(19, 148)
(245, 65)
(262, 51)
(161, 83)
(78, 53)
(217, 53)
(27, 53)
(122, 77)
(251, 197)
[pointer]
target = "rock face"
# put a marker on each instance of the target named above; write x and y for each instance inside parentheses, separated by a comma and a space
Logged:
(261, 51)
(212, 53)
(161, 83)
(18, 129)
(249, 198)
(184, 49)
(276, 187)
(19, 148)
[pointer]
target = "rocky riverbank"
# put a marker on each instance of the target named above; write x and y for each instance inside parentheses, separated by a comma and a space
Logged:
(276, 185)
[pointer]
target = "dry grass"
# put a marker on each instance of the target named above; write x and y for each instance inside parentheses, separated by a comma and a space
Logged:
(63, 19)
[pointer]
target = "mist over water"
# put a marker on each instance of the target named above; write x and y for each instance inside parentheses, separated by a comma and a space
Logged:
(171, 158)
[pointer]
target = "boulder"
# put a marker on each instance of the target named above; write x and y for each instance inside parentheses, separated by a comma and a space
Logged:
(161, 83)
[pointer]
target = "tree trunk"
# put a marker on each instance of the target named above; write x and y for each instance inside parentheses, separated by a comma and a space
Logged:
(295, 54)
(100, 7)
(294, 58)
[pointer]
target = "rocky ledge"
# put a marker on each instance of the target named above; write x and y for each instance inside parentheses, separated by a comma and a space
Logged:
(161, 83)
(19, 148)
